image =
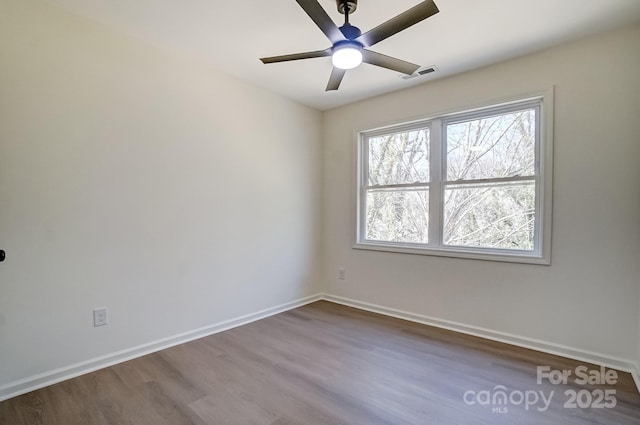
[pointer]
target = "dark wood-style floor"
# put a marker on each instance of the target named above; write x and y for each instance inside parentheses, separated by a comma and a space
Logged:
(325, 364)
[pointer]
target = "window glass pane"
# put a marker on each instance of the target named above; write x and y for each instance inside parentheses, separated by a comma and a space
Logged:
(398, 215)
(493, 147)
(399, 158)
(490, 215)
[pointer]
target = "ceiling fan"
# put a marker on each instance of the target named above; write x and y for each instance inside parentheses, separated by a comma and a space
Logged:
(348, 48)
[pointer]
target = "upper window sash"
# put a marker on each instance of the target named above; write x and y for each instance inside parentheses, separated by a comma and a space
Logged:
(488, 114)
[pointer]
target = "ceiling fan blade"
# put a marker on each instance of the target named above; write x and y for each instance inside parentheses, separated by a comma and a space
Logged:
(401, 22)
(335, 79)
(389, 62)
(322, 20)
(297, 56)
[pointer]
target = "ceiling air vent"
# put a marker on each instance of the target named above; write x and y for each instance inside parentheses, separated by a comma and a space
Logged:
(420, 72)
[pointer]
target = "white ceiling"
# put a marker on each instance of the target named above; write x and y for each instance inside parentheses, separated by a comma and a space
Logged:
(466, 34)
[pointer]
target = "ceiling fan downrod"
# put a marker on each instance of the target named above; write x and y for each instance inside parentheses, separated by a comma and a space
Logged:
(347, 7)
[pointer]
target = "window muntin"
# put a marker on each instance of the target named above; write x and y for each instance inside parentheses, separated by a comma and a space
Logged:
(474, 177)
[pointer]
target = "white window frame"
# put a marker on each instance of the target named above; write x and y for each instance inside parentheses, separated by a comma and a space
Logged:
(542, 102)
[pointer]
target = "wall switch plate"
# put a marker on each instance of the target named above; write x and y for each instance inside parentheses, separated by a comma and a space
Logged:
(100, 317)
(341, 273)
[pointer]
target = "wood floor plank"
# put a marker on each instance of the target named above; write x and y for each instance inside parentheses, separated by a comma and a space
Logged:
(325, 364)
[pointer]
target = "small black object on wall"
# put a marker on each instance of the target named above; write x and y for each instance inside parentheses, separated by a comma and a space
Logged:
(2, 255)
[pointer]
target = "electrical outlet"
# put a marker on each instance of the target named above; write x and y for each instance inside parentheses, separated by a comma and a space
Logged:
(341, 273)
(100, 317)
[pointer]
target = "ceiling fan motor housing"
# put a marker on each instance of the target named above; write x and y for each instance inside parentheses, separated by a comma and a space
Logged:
(351, 4)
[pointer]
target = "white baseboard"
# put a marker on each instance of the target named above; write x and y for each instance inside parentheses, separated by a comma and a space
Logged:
(635, 373)
(42, 380)
(586, 356)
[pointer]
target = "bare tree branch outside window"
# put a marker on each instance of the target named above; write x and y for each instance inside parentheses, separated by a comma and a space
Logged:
(488, 184)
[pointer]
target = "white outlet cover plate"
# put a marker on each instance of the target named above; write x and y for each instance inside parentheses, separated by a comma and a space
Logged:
(100, 317)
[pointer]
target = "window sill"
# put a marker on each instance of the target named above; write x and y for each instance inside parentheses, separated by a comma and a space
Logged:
(470, 254)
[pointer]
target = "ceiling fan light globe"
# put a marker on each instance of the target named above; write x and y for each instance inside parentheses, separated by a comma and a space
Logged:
(347, 57)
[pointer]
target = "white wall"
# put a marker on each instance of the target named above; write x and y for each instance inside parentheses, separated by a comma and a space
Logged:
(638, 333)
(588, 298)
(144, 181)
(148, 182)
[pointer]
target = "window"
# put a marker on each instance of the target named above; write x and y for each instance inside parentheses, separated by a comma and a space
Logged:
(474, 184)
